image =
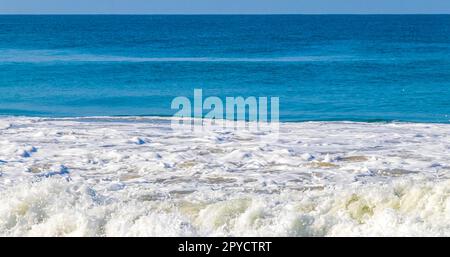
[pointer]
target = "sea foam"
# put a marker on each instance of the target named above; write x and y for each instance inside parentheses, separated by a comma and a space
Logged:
(137, 177)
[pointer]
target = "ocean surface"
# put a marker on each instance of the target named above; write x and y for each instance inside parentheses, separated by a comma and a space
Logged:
(341, 171)
(338, 67)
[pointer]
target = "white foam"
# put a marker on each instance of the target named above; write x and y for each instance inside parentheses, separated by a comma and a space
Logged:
(97, 178)
(4, 124)
(40, 56)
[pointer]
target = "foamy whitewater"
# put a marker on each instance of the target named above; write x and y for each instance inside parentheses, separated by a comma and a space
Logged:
(138, 177)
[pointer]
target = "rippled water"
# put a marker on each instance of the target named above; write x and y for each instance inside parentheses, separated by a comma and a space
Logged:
(363, 68)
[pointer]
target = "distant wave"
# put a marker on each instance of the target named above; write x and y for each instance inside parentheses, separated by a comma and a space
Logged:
(42, 56)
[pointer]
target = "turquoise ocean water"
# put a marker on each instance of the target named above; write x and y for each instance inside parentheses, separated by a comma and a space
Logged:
(338, 67)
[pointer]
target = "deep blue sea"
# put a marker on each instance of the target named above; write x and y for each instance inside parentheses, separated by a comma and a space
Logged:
(337, 67)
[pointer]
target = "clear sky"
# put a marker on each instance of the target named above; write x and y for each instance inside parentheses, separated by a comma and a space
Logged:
(223, 6)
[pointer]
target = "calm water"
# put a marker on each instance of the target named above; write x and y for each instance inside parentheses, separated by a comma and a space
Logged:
(365, 68)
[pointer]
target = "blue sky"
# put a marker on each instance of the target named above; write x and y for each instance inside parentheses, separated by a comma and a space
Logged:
(223, 6)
